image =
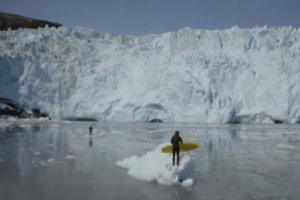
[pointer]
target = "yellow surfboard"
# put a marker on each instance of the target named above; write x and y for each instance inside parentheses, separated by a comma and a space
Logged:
(184, 147)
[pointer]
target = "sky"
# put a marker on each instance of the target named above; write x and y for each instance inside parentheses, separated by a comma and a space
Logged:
(141, 17)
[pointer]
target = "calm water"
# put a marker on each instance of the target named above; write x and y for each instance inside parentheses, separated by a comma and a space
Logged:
(59, 160)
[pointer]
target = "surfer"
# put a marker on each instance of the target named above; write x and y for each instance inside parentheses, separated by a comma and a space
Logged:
(175, 140)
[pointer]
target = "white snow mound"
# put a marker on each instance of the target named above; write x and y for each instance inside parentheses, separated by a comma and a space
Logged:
(157, 166)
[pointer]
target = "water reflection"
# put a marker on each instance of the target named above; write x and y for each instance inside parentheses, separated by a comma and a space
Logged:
(56, 161)
(90, 142)
(233, 133)
(210, 146)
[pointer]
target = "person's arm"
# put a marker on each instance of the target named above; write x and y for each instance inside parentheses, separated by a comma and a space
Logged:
(172, 140)
(180, 139)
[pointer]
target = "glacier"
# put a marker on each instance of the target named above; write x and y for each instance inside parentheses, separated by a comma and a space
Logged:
(234, 75)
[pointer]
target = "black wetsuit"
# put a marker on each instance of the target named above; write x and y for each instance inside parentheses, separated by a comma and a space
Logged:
(175, 140)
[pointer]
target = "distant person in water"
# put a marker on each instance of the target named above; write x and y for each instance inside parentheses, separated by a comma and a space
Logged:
(91, 130)
(175, 141)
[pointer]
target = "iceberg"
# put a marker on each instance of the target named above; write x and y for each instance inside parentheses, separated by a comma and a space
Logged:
(157, 166)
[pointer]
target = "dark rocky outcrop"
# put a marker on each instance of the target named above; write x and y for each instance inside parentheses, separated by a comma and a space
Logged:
(254, 119)
(156, 120)
(16, 21)
(9, 108)
(85, 119)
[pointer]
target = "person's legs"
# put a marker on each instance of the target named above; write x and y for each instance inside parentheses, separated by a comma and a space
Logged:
(177, 153)
(173, 158)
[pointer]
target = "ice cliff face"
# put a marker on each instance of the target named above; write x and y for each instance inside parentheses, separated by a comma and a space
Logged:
(214, 76)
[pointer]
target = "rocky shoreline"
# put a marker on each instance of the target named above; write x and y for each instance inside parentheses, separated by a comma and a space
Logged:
(9, 108)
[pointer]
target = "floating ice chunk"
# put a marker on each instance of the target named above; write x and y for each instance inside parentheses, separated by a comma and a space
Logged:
(50, 161)
(187, 183)
(156, 166)
(117, 132)
(285, 146)
(70, 157)
(25, 126)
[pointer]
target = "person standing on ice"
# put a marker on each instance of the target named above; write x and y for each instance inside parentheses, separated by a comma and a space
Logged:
(175, 141)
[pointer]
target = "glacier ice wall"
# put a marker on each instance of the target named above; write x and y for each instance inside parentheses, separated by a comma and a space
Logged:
(212, 76)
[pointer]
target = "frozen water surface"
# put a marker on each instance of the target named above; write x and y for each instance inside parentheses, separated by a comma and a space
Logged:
(60, 160)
